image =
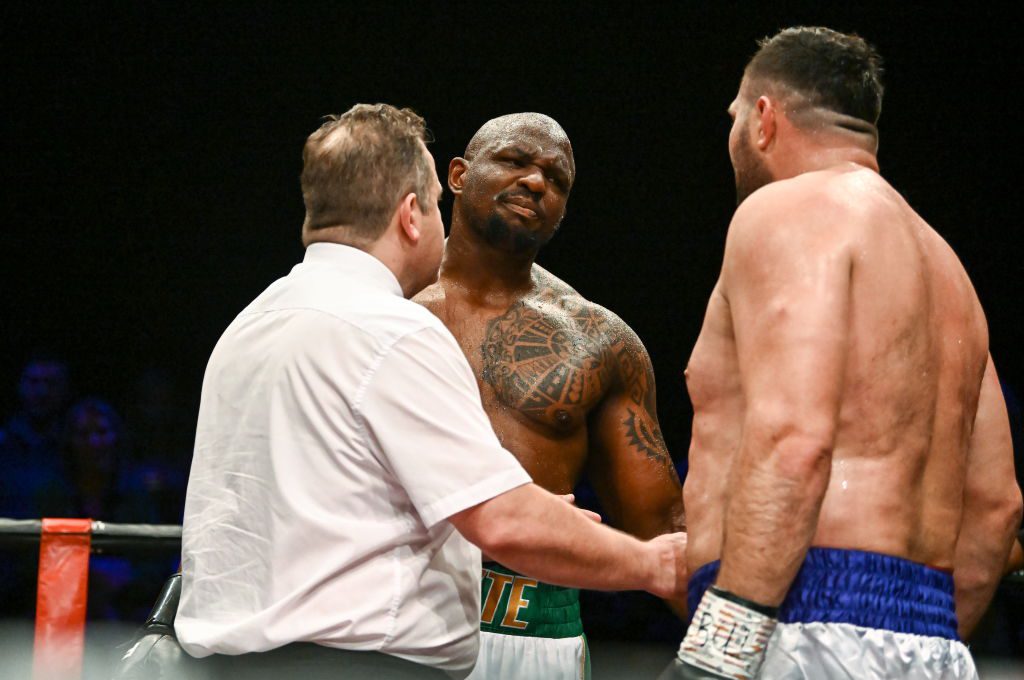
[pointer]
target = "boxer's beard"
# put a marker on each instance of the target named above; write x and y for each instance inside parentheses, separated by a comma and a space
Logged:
(516, 239)
(751, 173)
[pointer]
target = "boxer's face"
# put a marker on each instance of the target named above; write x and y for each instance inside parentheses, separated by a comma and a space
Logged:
(514, 192)
(750, 169)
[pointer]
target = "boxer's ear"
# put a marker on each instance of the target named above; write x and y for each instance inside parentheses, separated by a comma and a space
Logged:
(766, 112)
(409, 214)
(456, 172)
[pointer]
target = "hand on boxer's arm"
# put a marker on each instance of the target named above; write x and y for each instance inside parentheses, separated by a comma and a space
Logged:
(535, 532)
(571, 500)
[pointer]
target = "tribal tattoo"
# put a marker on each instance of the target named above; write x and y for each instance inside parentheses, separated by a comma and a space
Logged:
(636, 377)
(538, 361)
(646, 440)
(555, 354)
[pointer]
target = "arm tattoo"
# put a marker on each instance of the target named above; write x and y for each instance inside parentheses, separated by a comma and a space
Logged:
(637, 378)
(646, 438)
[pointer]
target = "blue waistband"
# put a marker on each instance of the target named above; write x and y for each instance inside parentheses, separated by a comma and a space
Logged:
(860, 588)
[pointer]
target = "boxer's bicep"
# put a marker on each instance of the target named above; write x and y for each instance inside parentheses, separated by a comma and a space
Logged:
(992, 506)
(786, 277)
(990, 480)
(628, 462)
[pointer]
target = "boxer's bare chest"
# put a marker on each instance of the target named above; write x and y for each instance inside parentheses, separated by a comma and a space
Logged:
(713, 383)
(545, 361)
(712, 373)
(548, 359)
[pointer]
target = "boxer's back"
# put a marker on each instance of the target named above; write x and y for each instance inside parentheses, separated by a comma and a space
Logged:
(915, 354)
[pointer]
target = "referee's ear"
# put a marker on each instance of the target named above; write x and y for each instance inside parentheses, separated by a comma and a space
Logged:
(409, 215)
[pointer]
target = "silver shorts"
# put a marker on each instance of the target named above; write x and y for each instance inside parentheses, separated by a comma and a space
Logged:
(837, 651)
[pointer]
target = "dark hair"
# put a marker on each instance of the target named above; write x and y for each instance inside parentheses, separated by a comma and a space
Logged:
(833, 70)
(356, 167)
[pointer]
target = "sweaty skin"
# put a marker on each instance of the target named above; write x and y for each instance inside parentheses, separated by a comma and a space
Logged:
(568, 386)
(835, 384)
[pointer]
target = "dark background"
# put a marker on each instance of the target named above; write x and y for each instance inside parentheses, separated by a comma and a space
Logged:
(152, 154)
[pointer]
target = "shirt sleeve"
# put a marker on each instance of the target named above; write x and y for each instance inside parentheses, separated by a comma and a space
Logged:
(422, 413)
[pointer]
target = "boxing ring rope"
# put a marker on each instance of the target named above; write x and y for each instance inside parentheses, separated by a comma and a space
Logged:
(64, 549)
(62, 591)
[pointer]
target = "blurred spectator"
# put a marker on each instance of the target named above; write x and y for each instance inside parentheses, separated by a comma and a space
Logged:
(162, 434)
(96, 460)
(33, 483)
(107, 487)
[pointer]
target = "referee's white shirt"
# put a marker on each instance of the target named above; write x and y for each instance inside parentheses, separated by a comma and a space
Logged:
(340, 425)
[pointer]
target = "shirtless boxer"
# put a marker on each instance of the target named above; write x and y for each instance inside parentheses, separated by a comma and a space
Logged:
(850, 457)
(567, 385)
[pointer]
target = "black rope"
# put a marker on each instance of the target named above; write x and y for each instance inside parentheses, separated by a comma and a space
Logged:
(107, 537)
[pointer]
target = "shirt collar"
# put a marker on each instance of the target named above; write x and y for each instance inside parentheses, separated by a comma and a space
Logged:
(355, 262)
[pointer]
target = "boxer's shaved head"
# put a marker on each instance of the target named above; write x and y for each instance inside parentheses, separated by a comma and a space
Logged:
(512, 126)
(512, 185)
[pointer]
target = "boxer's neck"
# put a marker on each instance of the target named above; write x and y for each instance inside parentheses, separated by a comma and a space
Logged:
(483, 270)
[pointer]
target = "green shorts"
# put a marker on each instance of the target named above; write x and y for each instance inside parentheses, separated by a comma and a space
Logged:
(529, 629)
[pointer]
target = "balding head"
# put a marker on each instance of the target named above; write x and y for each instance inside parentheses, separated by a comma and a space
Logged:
(358, 165)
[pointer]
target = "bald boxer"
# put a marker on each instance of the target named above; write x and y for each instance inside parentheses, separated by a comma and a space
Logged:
(567, 385)
(851, 474)
(345, 476)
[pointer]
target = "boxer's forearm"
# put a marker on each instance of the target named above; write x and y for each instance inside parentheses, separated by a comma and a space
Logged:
(986, 538)
(973, 596)
(539, 535)
(772, 514)
(991, 506)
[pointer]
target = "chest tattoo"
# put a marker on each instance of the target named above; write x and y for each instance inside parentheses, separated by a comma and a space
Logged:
(538, 361)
